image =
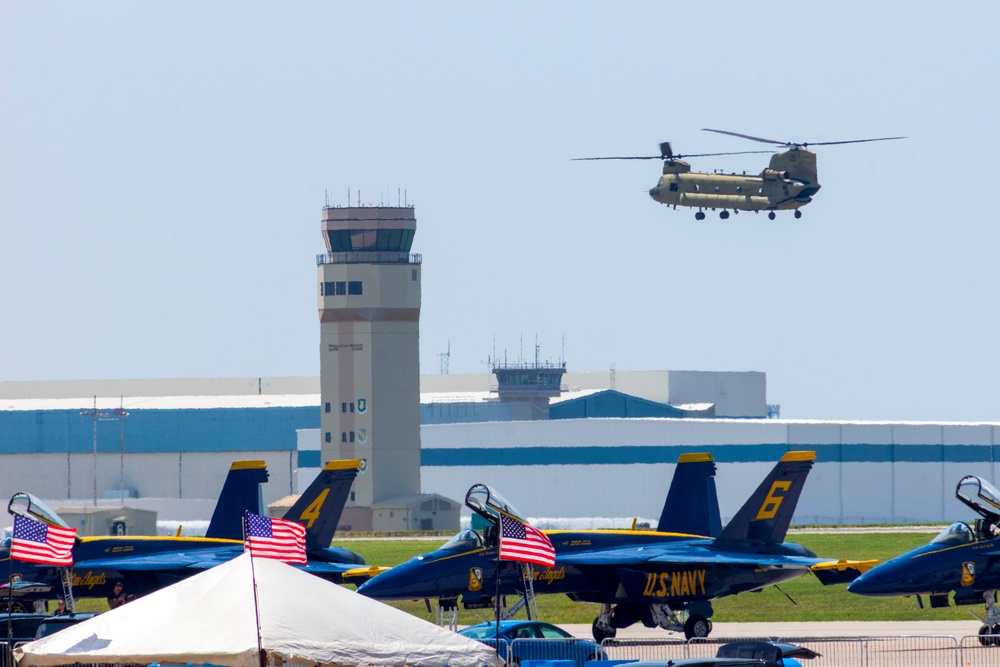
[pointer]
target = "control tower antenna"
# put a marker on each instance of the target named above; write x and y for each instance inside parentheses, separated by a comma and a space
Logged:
(443, 358)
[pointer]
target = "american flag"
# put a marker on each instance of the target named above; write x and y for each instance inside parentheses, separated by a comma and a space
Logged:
(38, 542)
(275, 538)
(522, 541)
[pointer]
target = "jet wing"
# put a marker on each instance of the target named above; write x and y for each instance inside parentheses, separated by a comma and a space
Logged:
(658, 559)
(197, 559)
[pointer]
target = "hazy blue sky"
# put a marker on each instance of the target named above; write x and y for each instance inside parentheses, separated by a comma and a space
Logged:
(163, 168)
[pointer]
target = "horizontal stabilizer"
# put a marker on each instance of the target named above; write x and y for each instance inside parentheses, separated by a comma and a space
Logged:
(841, 571)
(360, 575)
(692, 505)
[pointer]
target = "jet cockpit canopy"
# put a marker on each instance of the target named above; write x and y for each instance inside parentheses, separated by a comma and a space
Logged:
(981, 496)
(27, 506)
(488, 504)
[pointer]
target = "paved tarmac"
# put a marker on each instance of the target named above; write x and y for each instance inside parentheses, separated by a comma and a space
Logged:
(957, 629)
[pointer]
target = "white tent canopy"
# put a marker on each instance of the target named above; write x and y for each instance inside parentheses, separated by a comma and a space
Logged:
(209, 618)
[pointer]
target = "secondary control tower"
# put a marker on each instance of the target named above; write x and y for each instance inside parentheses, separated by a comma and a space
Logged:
(369, 312)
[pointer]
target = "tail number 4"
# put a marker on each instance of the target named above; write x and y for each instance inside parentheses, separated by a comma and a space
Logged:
(311, 513)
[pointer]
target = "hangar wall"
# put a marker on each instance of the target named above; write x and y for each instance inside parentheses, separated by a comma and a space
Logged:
(193, 475)
(866, 472)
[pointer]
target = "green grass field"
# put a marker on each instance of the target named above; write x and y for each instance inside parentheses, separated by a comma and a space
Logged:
(813, 601)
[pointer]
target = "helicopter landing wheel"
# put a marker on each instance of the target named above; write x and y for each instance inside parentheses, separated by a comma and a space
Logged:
(798, 213)
(771, 215)
(724, 214)
(700, 215)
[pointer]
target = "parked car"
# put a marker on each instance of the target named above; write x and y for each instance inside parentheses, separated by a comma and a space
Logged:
(542, 641)
(741, 654)
(22, 627)
(53, 624)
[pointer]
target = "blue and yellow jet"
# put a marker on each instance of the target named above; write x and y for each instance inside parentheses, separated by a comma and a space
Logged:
(146, 564)
(666, 578)
(963, 559)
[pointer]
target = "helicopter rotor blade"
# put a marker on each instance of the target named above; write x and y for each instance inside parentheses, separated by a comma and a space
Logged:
(716, 154)
(850, 141)
(747, 136)
(801, 144)
(670, 157)
(630, 157)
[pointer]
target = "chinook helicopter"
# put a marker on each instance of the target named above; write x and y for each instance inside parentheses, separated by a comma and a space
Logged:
(788, 183)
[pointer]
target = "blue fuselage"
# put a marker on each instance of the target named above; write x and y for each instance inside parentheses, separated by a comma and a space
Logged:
(599, 566)
(968, 569)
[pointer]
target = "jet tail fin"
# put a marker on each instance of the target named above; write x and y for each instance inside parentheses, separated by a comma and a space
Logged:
(692, 504)
(322, 504)
(240, 493)
(765, 517)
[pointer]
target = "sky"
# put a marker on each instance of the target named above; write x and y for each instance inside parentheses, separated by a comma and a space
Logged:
(164, 165)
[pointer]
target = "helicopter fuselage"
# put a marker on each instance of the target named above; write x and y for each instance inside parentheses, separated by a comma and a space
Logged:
(789, 182)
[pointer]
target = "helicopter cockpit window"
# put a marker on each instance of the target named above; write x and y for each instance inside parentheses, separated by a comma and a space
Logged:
(466, 540)
(980, 495)
(673, 187)
(957, 533)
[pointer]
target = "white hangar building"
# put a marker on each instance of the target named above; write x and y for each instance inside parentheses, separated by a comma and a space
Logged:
(604, 447)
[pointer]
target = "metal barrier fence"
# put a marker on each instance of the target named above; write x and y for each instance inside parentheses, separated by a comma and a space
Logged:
(895, 651)
(580, 651)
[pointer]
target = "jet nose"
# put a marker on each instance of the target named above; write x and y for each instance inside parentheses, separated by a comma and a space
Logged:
(387, 585)
(880, 581)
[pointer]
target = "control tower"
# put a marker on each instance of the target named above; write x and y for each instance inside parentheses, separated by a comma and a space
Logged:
(369, 312)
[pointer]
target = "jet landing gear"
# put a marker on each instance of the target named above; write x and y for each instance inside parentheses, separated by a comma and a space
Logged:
(693, 626)
(693, 622)
(989, 634)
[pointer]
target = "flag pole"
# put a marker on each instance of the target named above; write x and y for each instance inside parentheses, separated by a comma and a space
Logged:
(496, 597)
(256, 602)
(10, 601)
